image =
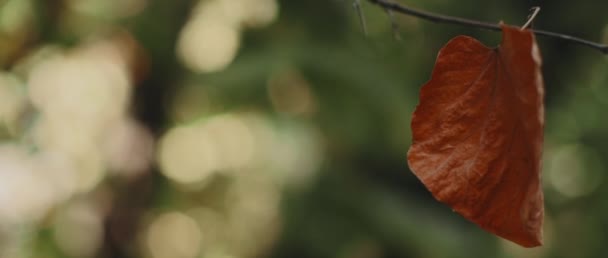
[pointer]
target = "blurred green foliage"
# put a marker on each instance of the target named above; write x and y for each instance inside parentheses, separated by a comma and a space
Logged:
(363, 202)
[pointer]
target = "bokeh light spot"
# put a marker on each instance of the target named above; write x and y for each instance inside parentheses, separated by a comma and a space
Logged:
(574, 170)
(187, 155)
(233, 141)
(78, 230)
(24, 195)
(208, 45)
(174, 235)
(128, 148)
(83, 89)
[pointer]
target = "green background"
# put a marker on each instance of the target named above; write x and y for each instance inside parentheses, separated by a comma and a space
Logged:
(361, 201)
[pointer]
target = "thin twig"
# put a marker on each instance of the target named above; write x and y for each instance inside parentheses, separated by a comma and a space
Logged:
(357, 6)
(394, 25)
(386, 4)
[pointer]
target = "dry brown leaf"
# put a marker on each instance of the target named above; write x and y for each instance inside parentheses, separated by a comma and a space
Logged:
(478, 134)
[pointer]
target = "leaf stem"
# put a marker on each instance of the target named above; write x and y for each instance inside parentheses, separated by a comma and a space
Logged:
(387, 4)
(531, 17)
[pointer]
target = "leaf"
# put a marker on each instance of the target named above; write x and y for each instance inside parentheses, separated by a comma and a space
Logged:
(478, 134)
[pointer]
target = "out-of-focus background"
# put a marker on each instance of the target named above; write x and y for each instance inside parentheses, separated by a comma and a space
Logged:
(266, 128)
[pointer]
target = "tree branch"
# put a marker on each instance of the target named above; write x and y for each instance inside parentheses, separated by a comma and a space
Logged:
(387, 4)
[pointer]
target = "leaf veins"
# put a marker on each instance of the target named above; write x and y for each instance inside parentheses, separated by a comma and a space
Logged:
(478, 134)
